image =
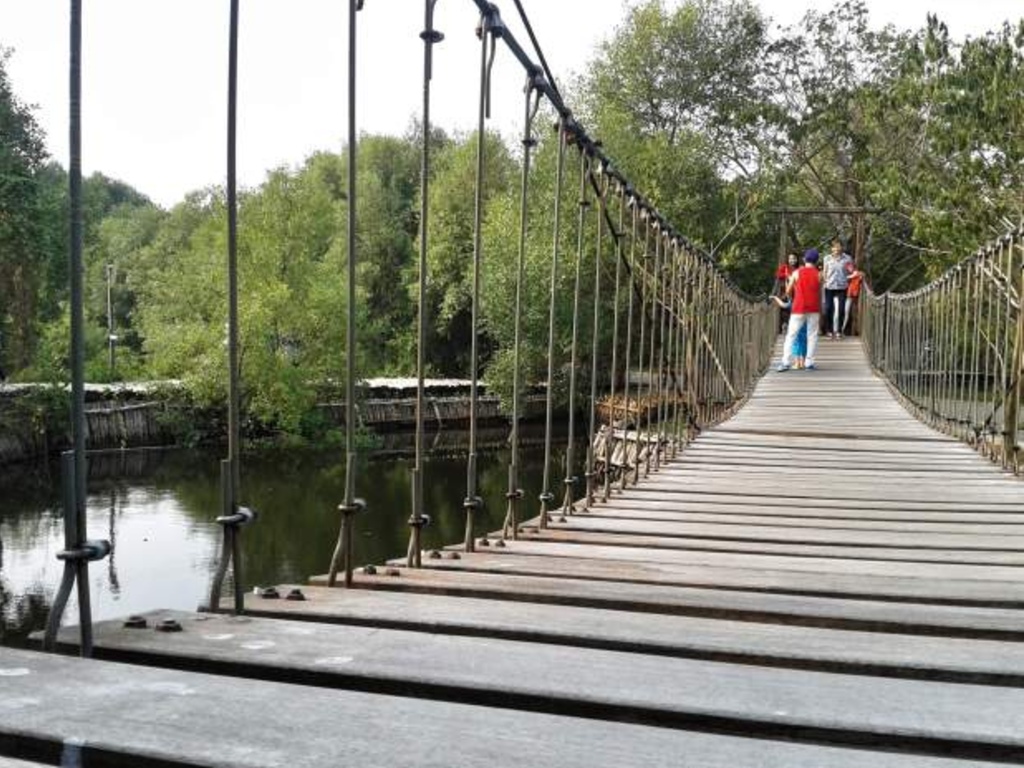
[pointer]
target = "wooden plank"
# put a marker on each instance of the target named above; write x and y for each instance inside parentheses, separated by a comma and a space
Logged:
(641, 496)
(128, 715)
(663, 690)
(1002, 594)
(576, 535)
(645, 509)
(679, 524)
(1006, 576)
(801, 647)
(965, 621)
(794, 495)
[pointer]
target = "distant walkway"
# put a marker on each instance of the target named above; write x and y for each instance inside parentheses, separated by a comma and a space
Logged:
(822, 581)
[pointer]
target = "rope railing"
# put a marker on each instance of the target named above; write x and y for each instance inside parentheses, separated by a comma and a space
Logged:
(953, 350)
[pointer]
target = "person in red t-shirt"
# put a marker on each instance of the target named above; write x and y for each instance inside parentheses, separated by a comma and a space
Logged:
(805, 288)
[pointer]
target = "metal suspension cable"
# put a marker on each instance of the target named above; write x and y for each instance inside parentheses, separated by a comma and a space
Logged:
(570, 449)
(641, 404)
(634, 273)
(609, 443)
(594, 340)
(343, 551)
(489, 24)
(662, 312)
(418, 520)
(546, 496)
(514, 493)
(77, 552)
(233, 517)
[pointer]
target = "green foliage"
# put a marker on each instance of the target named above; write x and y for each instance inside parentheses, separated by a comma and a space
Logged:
(22, 233)
(714, 116)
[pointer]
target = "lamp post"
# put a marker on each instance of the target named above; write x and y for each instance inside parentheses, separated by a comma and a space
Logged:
(111, 336)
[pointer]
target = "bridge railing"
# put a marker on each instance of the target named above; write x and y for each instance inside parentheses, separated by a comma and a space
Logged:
(953, 350)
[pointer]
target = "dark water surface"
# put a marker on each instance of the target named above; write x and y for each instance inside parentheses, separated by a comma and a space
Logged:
(158, 507)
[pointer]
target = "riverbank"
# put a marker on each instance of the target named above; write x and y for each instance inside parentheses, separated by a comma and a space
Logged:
(34, 419)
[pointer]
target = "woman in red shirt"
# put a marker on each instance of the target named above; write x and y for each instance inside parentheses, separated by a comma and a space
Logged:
(805, 288)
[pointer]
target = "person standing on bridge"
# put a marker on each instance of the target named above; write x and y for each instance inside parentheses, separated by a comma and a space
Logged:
(805, 288)
(838, 267)
(780, 290)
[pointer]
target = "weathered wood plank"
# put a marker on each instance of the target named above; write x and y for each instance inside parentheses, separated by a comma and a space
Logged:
(576, 535)
(814, 581)
(658, 634)
(139, 716)
(667, 691)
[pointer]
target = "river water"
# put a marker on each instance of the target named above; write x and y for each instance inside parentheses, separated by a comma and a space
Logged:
(158, 508)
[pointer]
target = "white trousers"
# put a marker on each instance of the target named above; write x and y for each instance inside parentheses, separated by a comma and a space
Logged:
(796, 322)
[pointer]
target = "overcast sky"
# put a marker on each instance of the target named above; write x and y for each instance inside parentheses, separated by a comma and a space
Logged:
(154, 73)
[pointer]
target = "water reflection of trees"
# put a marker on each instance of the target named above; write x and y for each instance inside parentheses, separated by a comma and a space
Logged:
(295, 491)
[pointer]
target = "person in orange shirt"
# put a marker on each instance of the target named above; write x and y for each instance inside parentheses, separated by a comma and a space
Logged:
(852, 293)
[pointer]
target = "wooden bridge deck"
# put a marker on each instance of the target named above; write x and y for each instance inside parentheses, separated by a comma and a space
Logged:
(821, 581)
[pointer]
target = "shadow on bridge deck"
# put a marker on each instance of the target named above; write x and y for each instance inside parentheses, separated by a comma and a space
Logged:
(821, 581)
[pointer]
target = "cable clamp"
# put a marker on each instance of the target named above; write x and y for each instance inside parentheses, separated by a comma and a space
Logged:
(547, 497)
(472, 503)
(431, 36)
(571, 480)
(516, 494)
(357, 506)
(242, 517)
(419, 521)
(90, 551)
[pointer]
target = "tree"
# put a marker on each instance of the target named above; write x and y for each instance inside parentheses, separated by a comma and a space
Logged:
(22, 155)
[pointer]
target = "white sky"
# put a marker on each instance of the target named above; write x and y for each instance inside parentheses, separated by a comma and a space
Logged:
(154, 73)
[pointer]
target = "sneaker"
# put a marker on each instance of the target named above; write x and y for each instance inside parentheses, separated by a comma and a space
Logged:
(782, 369)
(810, 367)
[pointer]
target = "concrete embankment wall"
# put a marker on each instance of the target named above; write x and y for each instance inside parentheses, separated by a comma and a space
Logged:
(32, 422)
(26, 432)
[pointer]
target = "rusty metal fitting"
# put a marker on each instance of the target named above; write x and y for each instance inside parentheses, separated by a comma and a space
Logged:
(90, 551)
(295, 595)
(241, 517)
(434, 555)
(136, 622)
(393, 572)
(269, 593)
(357, 506)
(454, 556)
(370, 570)
(484, 542)
(169, 625)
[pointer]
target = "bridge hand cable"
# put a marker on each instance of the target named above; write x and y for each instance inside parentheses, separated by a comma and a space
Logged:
(344, 554)
(515, 493)
(490, 26)
(602, 194)
(630, 449)
(547, 498)
(571, 479)
(418, 519)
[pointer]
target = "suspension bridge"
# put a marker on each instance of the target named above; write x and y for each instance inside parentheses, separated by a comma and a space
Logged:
(812, 568)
